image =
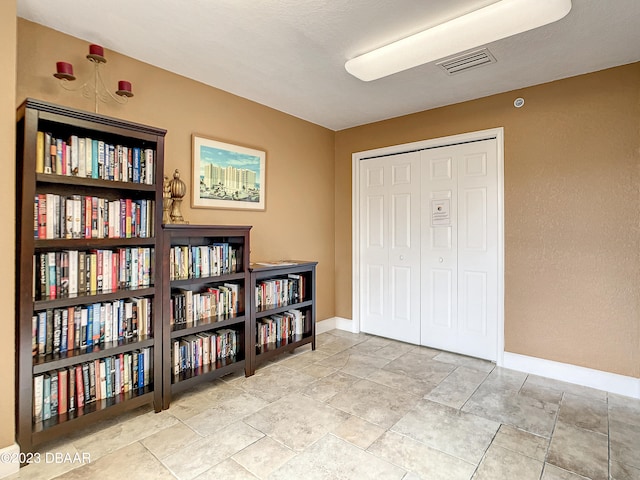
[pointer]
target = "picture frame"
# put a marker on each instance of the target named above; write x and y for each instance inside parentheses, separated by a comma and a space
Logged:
(225, 175)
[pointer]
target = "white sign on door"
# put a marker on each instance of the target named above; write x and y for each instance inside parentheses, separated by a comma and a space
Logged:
(440, 212)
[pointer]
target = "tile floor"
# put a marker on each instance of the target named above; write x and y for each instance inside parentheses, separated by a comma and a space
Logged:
(362, 407)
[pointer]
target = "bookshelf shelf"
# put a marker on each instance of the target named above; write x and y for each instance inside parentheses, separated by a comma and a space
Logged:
(67, 191)
(43, 178)
(220, 256)
(294, 283)
(81, 299)
(54, 361)
(67, 423)
(203, 325)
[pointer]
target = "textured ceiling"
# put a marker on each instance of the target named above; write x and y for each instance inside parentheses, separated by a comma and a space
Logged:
(290, 54)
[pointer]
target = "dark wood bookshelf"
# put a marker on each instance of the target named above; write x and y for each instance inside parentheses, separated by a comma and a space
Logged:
(200, 235)
(264, 271)
(63, 122)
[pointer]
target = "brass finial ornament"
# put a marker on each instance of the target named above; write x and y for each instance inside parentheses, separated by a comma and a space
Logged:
(178, 190)
(166, 201)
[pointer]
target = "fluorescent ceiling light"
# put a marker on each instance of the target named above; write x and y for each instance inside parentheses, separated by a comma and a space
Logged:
(493, 22)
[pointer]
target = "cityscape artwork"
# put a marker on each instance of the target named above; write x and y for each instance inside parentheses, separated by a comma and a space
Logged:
(227, 176)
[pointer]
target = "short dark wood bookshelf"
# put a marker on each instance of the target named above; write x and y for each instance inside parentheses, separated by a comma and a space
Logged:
(205, 304)
(88, 247)
(283, 308)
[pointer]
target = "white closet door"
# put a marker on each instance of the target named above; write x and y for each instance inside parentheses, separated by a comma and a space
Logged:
(390, 246)
(459, 255)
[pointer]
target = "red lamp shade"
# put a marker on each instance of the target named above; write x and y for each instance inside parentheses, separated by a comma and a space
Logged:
(64, 70)
(96, 50)
(64, 67)
(124, 89)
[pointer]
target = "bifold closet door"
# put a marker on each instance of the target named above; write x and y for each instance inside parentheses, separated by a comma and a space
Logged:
(390, 246)
(459, 254)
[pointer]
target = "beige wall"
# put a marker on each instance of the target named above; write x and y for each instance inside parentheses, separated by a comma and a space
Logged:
(572, 208)
(7, 198)
(298, 222)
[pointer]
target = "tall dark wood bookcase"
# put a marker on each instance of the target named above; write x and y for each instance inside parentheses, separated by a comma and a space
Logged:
(186, 274)
(288, 286)
(144, 244)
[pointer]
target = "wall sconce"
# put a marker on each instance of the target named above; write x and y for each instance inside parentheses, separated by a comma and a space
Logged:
(97, 89)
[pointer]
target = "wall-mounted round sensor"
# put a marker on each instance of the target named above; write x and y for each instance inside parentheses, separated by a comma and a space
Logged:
(518, 102)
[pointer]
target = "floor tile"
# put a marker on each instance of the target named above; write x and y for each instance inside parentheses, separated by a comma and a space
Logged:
(551, 472)
(195, 459)
(227, 470)
(359, 432)
(263, 457)
(331, 458)
(504, 380)
(540, 392)
(132, 461)
(224, 413)
(318, 371)
(458, 387)
(507, 406)
(460, 434)
(580, 451)
(620, 471)
(465, 361)
(625, 443)
(296, 420)
(170, 440)
(361, 365)
(337, 345)
(375, 403)
(426, 462)
(402, 382)
(121, 434)
(522, 442)
(421, 367)
(624, 409)
(274, 381)
(502, 464)
(584, 412)
(568, 387)
(326, 387)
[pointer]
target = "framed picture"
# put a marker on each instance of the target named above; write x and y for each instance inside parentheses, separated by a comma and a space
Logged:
(227, 176)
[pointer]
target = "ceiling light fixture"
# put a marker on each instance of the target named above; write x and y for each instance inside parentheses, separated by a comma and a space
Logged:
(493, 22)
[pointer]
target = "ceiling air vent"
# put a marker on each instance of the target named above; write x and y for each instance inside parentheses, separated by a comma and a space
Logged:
(467, 61)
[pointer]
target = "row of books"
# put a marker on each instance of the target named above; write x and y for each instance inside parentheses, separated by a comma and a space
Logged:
(71, 389)
(279, 292)
(68, 273)
(60, 330)
(56, 216)
(187, 306)
(188, 261)
(195, 351)
(276, 328)
(89, 158)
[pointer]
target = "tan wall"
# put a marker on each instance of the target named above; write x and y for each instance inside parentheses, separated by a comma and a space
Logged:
(572, 211)
(7, 199)
(299, 220)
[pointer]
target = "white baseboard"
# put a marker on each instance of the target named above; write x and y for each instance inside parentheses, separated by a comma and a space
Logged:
(325, 325)
(9, 468)
(334, 322)
(610, 382)
(345, 324)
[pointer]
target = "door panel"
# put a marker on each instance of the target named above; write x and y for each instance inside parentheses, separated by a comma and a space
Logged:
(390, 245)
(472, 258)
